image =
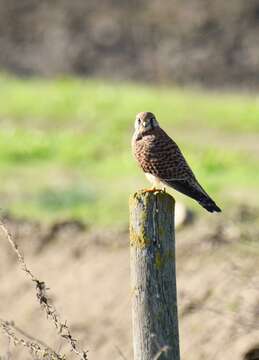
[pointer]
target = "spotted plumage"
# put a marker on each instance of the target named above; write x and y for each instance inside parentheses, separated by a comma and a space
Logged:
(163, 162)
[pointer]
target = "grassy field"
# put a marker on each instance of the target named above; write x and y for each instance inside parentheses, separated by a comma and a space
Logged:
(65, 145)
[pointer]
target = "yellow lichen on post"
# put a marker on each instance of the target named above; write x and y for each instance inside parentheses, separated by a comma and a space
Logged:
(138, 235)
(160, 260)
(138, 239)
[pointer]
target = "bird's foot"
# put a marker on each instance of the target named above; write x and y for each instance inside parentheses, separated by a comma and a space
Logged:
(154, 190)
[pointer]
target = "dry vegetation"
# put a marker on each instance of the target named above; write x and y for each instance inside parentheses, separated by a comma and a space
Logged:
(196, 41)
(37, 348)
(88, 272)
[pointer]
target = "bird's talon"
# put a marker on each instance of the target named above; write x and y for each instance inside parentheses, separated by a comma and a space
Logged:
(152, 190)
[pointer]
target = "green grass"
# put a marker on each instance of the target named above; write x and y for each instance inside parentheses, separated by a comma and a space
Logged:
(65, 145)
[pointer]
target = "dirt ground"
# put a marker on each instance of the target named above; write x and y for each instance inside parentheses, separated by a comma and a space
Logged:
(88, 275)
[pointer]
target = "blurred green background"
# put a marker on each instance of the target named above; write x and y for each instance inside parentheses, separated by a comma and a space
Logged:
(65, 144)
(74, 75)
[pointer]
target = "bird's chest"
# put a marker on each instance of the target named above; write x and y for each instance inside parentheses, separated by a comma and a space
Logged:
(144, 149)
(157, 156)
(147, 152)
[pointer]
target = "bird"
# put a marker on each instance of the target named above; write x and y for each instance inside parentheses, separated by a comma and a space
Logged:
(163, 162)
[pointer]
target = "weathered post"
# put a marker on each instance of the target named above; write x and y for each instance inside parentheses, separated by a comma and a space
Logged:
(153, 277)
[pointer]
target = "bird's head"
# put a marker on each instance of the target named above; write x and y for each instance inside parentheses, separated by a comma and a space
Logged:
(145, 121)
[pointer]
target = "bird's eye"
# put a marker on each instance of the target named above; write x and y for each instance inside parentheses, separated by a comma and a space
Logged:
(139, 121)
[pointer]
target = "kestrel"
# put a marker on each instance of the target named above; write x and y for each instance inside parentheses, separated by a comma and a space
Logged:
(163, 162)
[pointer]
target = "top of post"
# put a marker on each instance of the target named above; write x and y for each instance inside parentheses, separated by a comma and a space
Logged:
(146, 195)
(149, 212)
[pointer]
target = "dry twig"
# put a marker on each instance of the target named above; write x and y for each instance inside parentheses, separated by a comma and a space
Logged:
(50, 310)
(163, 350)
(35, 347)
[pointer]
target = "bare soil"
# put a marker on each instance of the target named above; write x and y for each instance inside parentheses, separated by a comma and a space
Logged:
(89, 278)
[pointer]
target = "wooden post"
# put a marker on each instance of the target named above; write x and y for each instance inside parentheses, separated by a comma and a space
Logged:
(153, 277)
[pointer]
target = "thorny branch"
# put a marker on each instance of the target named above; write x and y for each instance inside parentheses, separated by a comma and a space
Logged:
(29, 337)
(36, 348)
(50, 310)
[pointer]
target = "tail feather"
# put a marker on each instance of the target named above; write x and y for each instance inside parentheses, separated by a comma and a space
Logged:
(209, 205)
(195, 192)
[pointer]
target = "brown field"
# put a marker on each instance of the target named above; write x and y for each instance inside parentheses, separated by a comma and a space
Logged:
(89, 278)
